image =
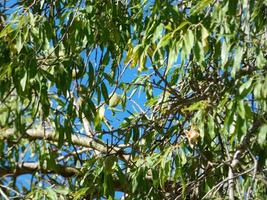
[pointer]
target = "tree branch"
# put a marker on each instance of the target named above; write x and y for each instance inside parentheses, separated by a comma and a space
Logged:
(84, 141)
(39, 133)
(32, 167)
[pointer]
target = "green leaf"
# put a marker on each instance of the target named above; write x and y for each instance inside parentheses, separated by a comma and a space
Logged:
(61, 190)
(97, 122)
(61, 135)
(128, 135)
(67, 129)
(204, 33)
(19, 43)
(23, 81)
(108, 185)
(245, 88)
(135, 134)
(91, 74)
(4, 115)
(105, 93)
(173, 55)
(137, 52)
(163, 42)
(51, 194)
(183, 157)
(91, 105)
(232, 7)
(122, 176)
(199, 52)
(189, 41)
(204, 36)
(101, 112)
(134, 184)
(262, 135)
(200, 105)
(200, 6)
(142, 62)
(105, 59)
(211, 126)
(201, 128)
(80, 193)
(109, 162)
(241, 109)
(224, 53)
(158, 32)
(237, 60)
(260, 60)
(7, 30)
(184, 23)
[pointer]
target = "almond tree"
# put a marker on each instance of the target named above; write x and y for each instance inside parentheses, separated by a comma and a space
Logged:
(133, 99)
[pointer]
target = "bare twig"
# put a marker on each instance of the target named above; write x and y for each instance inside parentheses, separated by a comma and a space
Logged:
(11, 189)
(215, 188)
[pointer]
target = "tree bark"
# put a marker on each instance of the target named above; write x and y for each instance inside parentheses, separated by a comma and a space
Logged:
(33, 167)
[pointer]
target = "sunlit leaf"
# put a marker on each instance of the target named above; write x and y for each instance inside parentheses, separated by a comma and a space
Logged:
(262, 135)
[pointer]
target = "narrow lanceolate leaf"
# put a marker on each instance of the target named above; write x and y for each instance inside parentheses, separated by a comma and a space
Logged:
(199, 51)
(23, 81)
(262, 135)
(261, 60)
(237, 60)
(91, 74)
(173, 55)
(224, 53)
(246, 88)
(164, 42)
(7, 30)
(105, 93)
(101, 112)
(200, 6)
(158, 33)
(204, 37)
(211, 126)
(19, 43)
(142, 63)
(189, 41)
(136, 55)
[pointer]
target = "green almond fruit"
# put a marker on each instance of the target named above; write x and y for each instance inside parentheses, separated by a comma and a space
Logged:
(114, 100)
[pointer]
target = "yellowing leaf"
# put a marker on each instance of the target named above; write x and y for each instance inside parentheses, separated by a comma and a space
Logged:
(7, 30)
(204, 35)
(137, 51)
(129, 53)
(101, 112)
(142, 63)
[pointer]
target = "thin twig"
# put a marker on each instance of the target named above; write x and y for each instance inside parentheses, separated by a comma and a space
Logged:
(226, 180)
(9, 188)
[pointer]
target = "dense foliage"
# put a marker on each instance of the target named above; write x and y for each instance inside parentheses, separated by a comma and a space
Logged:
(133, 99)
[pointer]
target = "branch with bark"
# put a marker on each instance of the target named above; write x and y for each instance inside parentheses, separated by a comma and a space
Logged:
(34, 167)
(35, 134)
